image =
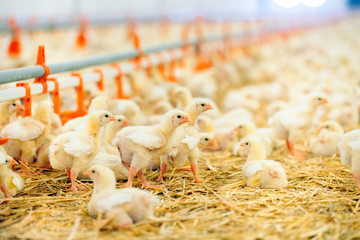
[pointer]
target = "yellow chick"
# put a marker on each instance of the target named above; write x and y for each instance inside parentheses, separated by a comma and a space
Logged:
(326, 143)
(120, 207)
(72, 151)
(7, 110)
(10, 182)
(260, 172)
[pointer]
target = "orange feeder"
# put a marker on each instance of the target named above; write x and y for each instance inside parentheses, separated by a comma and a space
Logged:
(119, 83)
(67, 115)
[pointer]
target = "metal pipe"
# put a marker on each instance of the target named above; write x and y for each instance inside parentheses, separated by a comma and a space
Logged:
(17, 74)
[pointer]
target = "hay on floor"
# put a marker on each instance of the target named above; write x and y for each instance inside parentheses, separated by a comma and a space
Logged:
(321, 202)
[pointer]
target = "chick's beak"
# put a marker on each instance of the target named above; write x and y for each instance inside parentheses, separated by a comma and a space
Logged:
(20, 107)
(186, 119)
(87, 173)
(212, 143)
(242, 144)
(209, 107)
(324, 101)
(112, 118)
(13, 162)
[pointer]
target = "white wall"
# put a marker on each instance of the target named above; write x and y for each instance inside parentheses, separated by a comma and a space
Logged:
(63, 10)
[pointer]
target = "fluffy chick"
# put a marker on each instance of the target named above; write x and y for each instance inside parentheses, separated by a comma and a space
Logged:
(140, 146)
(73, 150)
(120, 207)
(326, 143)
(10, 182)
(350, 152)
(289, 124)
(183, 143)
(260, 172)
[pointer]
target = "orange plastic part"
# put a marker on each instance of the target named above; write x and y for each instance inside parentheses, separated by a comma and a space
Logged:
(136, 42)
(40, 60)
(150, 66)
(81, 39)
(15, 46)
(119, 84)
(66, 116)
(172, 66)
(3, 141)
(101, 81)
(55, 95)
(161, 67)
(27, 98)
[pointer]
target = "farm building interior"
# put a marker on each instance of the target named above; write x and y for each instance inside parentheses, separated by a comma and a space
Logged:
(170, 119)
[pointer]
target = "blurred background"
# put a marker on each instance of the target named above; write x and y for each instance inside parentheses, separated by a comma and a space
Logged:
(89, 27)
(57, 11)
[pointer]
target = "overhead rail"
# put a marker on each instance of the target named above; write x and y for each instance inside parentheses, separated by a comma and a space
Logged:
(17, 74)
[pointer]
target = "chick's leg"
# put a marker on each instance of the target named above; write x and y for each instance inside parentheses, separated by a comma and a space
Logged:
(193, 157)
(145, 184)
(163, 167)
(357, 179)
(74, 186)
(196, 179)
(291, 148)
(132, 172)
(6, 193)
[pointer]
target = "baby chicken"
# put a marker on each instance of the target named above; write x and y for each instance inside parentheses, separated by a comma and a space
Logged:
(73, 150)
(121, 207)
(207, 142)
(79, 123)
(140, 146)
(289, 124)
(28, 134)
(260, 172)
(7, 110)
(182, 146)
(350, 152)
(326, 143)
(204, 124)
(10, 182)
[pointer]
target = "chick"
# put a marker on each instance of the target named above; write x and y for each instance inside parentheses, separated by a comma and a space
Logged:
(73, 150)
(260, 172)
(183, 143)
(7, 111)
(79, 123)
(120, 207)
(108, 133)
(204, 124)
(350, 153)
(289, 124)
(140, 146)
(207, 142)
(10, 182)
(28, 134)
(326, 143)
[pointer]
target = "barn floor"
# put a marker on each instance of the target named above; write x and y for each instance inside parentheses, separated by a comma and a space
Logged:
(321, 202)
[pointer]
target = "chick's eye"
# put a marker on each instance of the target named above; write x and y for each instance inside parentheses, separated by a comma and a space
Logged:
(240, 126)
(206, 139)
(93, 171)
(178, 116)
(319, 98)
(328, 126)
(119, 120)
(14, 104)
(7, 161)
(203, 105)
(246, 143)
(106, 115)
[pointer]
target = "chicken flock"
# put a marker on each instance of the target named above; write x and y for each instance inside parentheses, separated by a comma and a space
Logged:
(301, 94)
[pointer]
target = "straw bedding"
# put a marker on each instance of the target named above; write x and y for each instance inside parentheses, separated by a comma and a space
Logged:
(321, 202)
